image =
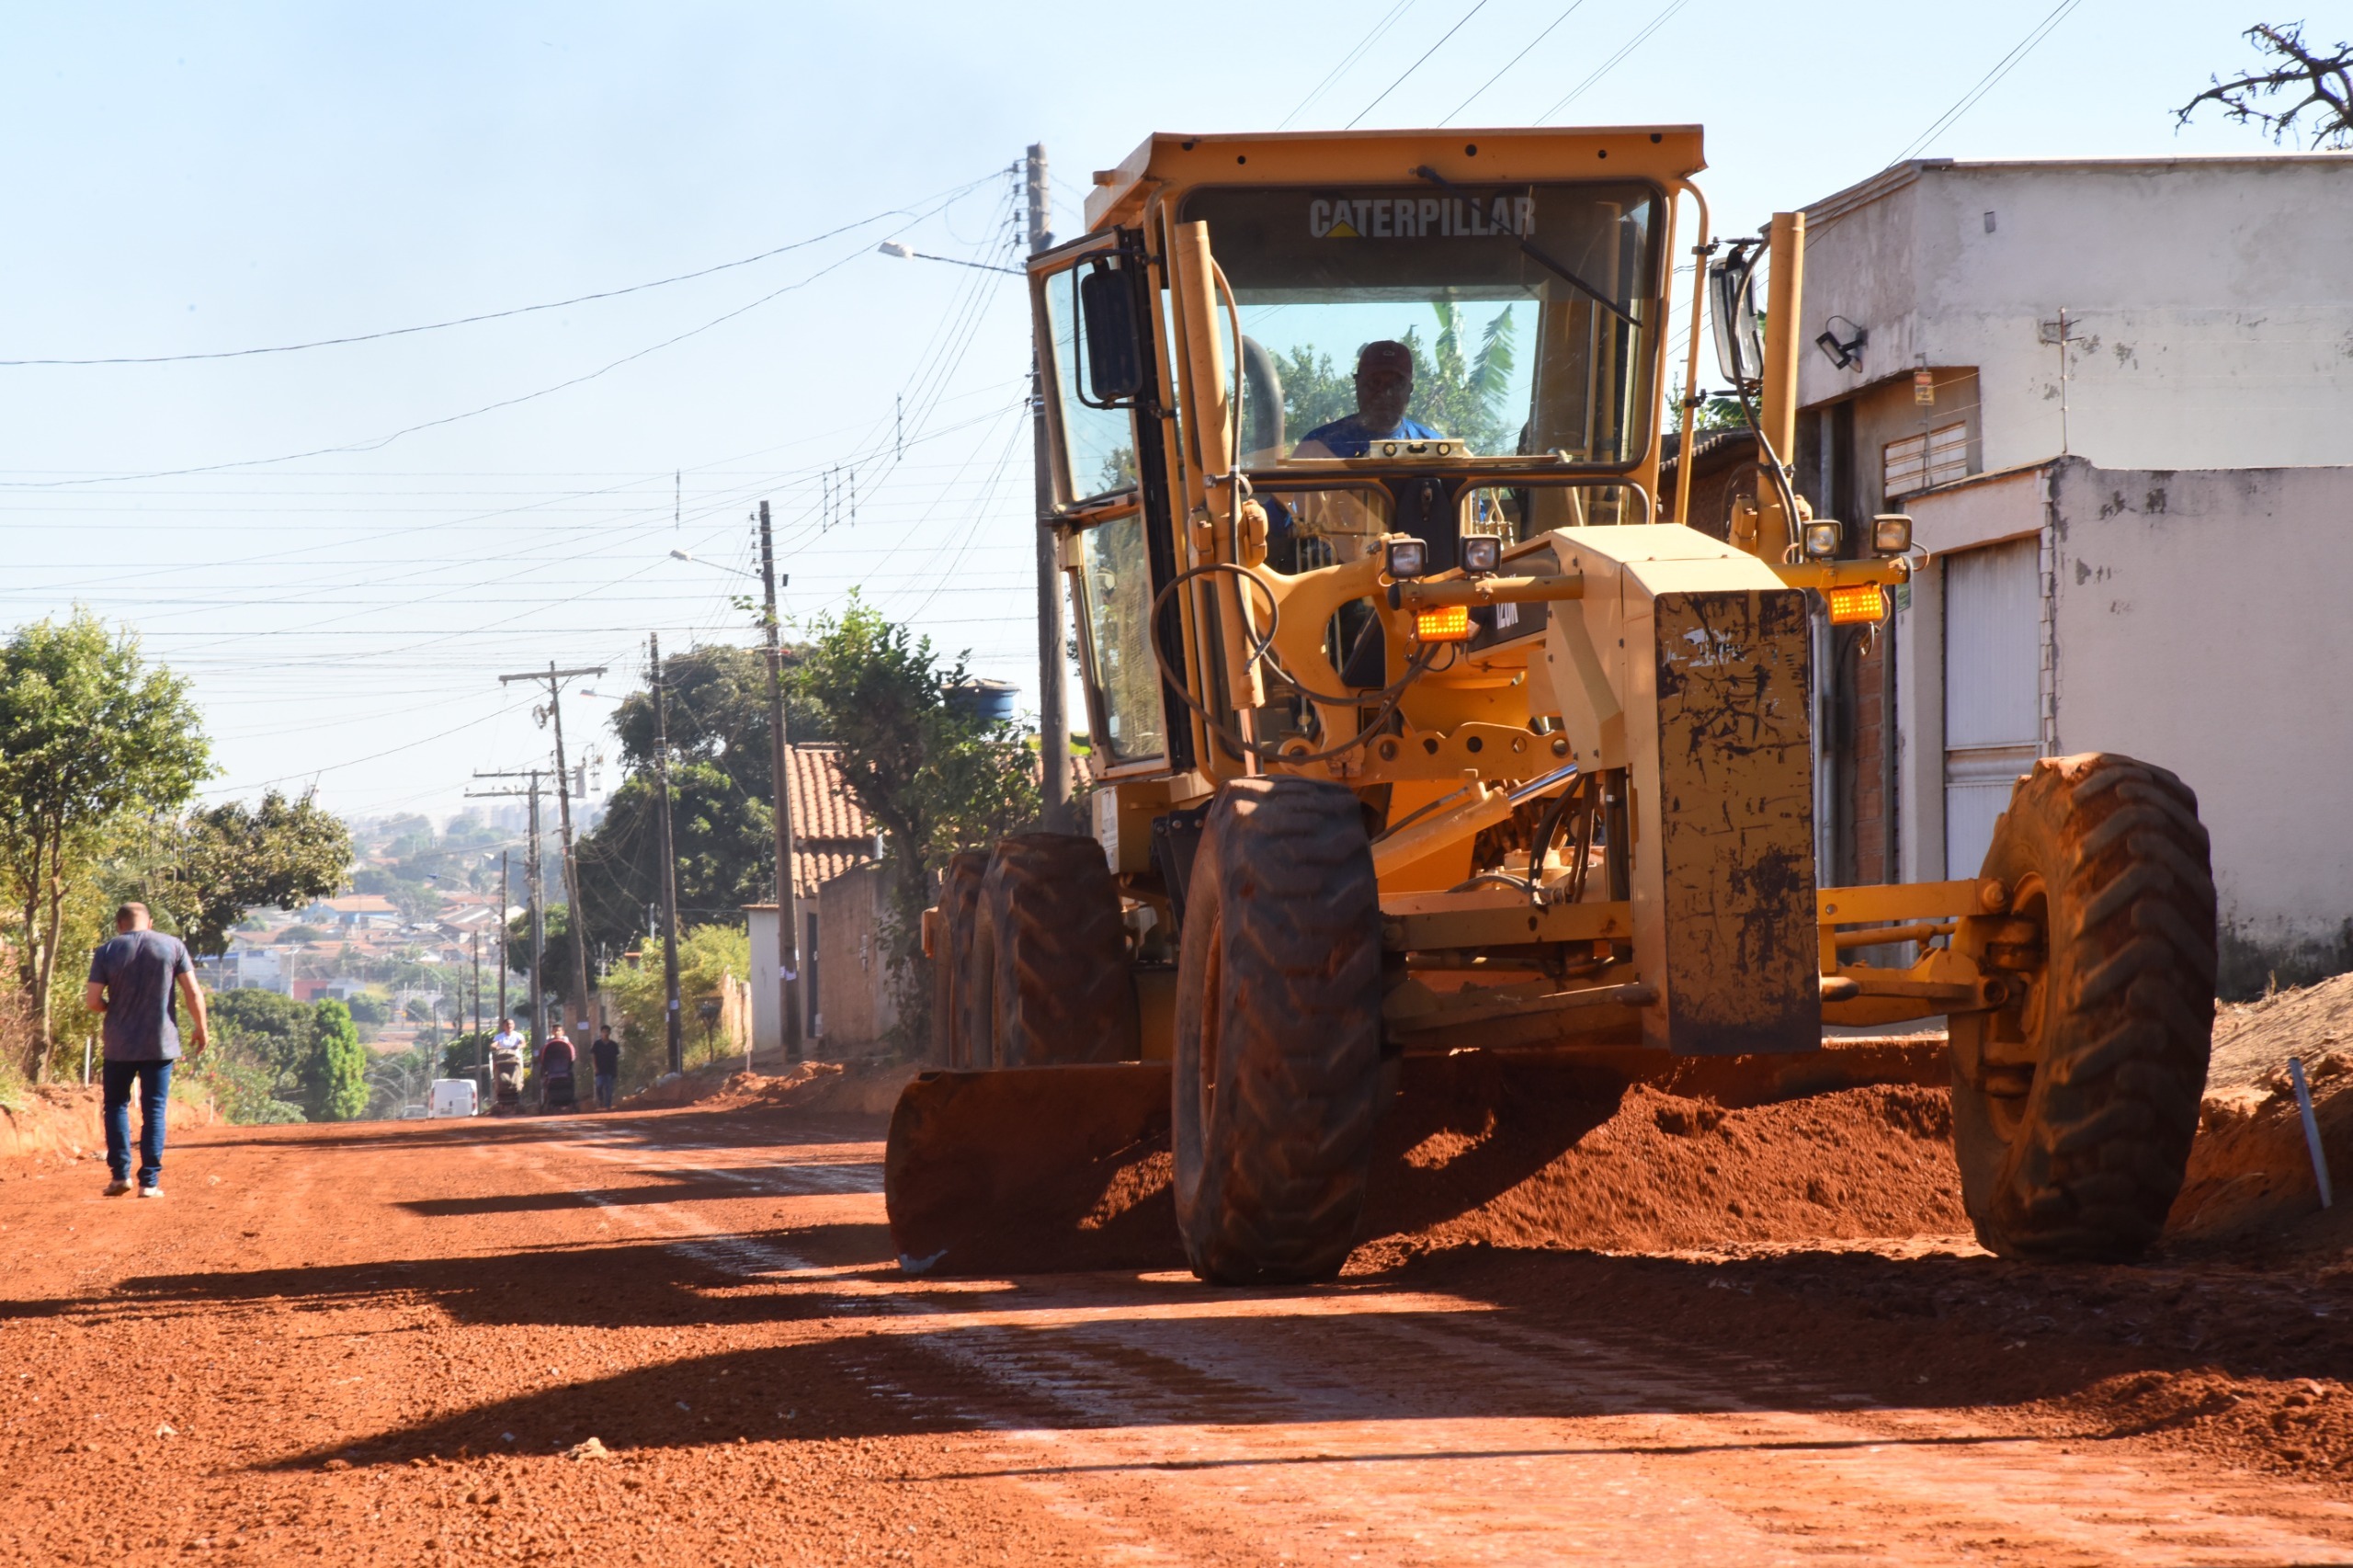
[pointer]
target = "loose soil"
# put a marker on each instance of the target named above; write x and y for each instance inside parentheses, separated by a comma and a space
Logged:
(1605, 1319)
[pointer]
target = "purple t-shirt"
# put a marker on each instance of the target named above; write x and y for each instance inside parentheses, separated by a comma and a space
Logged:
(139, 969)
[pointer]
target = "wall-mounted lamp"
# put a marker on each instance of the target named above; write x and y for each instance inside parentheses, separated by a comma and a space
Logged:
(1846, 353)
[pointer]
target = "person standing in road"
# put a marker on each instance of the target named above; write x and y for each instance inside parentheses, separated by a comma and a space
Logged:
(606, 1054)
(132, 976)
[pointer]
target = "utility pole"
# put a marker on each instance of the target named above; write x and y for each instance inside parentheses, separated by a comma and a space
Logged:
(555, 679)
(505, 898)
(482, 1043)
(787, 897)
(532, 890)
(1054, 727)
(670, 1020)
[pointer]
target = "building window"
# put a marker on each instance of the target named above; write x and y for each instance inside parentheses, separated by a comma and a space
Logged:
(1917, 462)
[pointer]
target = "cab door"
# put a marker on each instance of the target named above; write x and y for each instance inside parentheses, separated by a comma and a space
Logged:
(1096, 368)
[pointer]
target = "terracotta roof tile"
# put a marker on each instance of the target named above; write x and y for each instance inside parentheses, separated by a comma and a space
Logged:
(823, 806)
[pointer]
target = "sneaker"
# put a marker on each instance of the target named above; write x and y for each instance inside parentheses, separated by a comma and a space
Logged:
(117, 1188)
(150, 1192)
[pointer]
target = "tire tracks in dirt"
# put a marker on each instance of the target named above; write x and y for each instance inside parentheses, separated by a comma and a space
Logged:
(1372, 1423)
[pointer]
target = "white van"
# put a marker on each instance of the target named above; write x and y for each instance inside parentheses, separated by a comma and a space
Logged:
(451, 1096)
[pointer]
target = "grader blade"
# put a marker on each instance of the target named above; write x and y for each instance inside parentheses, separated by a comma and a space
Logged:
(1031, 1169)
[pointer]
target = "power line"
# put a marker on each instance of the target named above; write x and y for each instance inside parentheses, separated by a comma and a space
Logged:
(378, 443)
(498, 315)
(1478, 6)
(1514, 60)
(1366, 41)
(1610, 64)
(1986, 83)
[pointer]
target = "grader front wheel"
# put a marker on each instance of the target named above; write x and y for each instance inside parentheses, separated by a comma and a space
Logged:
(1277, 1051)
(959, 898)
(2073, 1108)
(1045, 978)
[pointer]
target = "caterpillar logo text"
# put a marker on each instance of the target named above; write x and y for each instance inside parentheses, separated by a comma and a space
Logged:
(1421, 217)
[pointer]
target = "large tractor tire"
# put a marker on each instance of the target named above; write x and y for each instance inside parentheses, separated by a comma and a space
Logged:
(2073, 1111)
(1277, 1072)
(1046, 979)
(951, 946)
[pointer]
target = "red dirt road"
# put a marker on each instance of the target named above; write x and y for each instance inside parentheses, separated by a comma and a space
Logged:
(376, 1344)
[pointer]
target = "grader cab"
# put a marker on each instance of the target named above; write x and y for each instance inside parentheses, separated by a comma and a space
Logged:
(1421, 727)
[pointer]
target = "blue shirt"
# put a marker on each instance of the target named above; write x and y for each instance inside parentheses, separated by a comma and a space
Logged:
(139, 969)
(1348, 437)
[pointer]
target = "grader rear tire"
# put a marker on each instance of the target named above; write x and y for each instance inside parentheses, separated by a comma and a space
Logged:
(960, 897)
(2080, 1162)
(1046, 976)
(1277, 1078)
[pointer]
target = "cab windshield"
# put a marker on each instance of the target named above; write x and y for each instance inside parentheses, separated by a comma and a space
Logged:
(1507, 320)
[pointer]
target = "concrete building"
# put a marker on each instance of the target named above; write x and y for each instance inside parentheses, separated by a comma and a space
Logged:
(2114, 397)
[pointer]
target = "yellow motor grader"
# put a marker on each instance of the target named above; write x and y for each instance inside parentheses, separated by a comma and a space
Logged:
(1421, 727)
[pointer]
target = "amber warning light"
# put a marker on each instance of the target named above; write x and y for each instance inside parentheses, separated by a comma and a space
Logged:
(1858, 602)
(1447, 623)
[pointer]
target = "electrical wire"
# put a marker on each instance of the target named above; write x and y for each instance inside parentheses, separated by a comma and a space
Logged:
(506, 314)
(1986, 83)
(1476, 7)
(1514, 60)
(1379, 30)
(1611, 64)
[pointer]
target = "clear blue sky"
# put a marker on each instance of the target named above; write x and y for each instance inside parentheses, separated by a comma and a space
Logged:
(185, 179)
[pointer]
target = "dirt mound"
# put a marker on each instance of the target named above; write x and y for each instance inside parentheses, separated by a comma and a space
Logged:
(1645, 1169)
(60, 1122)
(2253, 1038)
(2251, 1184)
(1619, 1156)
(862, 1089)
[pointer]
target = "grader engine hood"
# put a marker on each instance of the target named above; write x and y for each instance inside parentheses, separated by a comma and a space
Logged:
(1687, 661)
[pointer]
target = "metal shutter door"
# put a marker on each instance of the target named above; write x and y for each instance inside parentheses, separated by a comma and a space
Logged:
(1993, 646)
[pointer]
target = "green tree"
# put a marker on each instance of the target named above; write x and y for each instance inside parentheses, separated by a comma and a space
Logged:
(261, 1041)
(1461, 394)
(334, 1074)
(935, 776)
(708, 957)
(1316, 391)
(722, 791)
(267, 1026)
(89, 734)
(232, 859)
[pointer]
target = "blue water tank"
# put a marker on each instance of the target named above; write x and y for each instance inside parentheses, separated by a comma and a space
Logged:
(991, 699)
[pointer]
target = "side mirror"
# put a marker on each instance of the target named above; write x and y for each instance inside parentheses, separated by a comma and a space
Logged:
(1106, 309)
(1740, 337)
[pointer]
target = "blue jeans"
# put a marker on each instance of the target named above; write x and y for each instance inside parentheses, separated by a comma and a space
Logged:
(154, 1081)
(605, 1091)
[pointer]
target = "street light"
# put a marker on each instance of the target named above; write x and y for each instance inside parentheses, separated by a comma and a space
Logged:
(715, 565)
(908, 253)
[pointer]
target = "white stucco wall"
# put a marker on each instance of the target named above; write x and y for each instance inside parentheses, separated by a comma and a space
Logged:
(2201, 624)
(2198, 622)
(2210, 296)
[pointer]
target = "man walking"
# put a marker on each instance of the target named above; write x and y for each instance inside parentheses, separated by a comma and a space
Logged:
(132, 975)
(606, 1055)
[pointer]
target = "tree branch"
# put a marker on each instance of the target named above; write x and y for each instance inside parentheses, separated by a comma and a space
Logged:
(2326, 81)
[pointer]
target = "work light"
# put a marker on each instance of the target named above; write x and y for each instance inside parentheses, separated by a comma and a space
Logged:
(1407, 558)
(1447, 623)
(1482, 553)
(1853, 603)
(1821, 538)
(1891, 533)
